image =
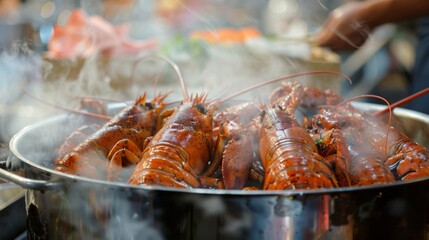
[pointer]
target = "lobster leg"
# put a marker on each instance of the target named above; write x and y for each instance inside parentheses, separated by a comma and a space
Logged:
(125, 144)
(124, 152)
(211, 182)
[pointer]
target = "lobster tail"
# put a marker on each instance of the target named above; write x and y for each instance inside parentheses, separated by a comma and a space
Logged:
(368, 169)
(180, 151)
(165, 165)
(289, 155)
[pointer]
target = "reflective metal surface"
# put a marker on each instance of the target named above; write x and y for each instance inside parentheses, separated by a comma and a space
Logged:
(12, 211)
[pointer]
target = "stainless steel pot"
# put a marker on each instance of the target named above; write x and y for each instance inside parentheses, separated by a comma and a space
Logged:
(61, 206)
(12, 211)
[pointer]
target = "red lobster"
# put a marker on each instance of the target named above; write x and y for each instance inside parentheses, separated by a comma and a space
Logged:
(119, 141)
(289, 155)
(180, 151)
(405, 158)
(364, 166)
(236, 147)
(292, 96)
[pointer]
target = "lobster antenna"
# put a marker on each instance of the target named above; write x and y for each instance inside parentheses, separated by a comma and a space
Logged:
(101, 99)
(217, 99)
(261, 105)
(403, 101)
(378, 97)
(155, 78)
(88, 114)
(175, 68)
(284, 78)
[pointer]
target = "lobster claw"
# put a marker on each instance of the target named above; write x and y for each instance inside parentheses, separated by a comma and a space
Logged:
(237, 156)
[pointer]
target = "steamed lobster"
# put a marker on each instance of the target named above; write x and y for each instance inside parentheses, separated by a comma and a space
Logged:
(289, 155)
(118, 142)
(180, 151)
(365, 167)
(406, 159)
(292, 96)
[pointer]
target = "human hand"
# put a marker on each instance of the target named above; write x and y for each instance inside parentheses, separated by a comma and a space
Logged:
(346, 28)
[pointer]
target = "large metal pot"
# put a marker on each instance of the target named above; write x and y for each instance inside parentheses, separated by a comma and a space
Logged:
(61, 206)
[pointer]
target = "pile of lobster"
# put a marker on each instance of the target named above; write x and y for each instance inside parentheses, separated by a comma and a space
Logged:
(222, 144)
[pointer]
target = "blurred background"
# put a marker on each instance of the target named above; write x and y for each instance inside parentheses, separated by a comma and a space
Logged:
(92, 48)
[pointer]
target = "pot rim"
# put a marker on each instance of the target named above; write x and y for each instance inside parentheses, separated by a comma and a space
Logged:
(74, 178)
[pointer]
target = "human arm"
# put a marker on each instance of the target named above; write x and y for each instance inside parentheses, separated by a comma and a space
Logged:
(349, 26)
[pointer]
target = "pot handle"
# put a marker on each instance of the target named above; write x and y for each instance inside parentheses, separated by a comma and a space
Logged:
(26, 182)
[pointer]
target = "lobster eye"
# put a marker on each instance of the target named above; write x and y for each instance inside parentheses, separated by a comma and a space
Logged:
(319, 123)
(201, 108)
(262, 114)
(149, 106)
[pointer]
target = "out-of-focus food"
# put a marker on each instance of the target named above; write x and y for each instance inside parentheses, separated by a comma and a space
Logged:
(226, 35)
(84, 36)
